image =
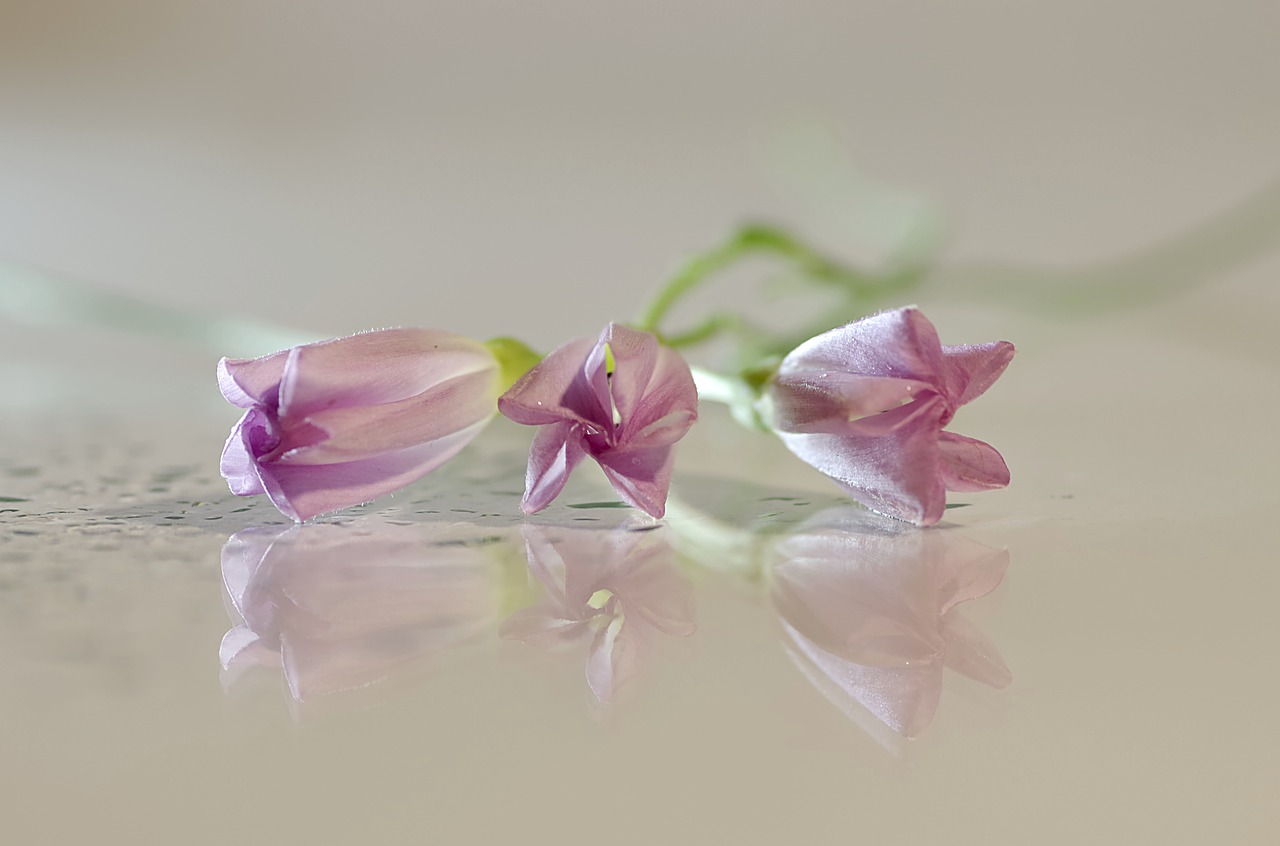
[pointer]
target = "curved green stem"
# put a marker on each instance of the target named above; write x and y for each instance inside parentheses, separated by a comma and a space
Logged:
(759, 239)
(692, 274)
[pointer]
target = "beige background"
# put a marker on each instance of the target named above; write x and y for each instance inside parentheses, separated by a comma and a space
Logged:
(533, 169)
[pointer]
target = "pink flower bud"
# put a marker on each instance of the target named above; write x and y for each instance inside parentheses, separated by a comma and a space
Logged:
(337, 423)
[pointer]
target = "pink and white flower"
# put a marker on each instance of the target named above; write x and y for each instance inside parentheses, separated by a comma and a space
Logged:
(623, 399)
(340, 422)
(867, 405)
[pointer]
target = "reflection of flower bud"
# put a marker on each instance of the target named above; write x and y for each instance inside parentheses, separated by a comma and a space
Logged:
(340, 609)
(620, 589)
(871, 606)
(337, 423)
(623, 399)
(866, 405)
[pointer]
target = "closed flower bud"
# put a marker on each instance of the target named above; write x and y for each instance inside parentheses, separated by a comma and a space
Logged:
(341, 422)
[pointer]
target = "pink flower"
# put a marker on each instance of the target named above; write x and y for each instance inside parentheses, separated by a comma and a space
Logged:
(873, 610)
(624, 400)
(340, 422)
(353, 608)
(620, 590)
(866, 404)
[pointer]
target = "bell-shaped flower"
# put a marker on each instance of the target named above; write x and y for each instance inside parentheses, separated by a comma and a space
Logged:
(341, 422)
(344, 609)
(623, 399)
(873, 610)
(867, 403)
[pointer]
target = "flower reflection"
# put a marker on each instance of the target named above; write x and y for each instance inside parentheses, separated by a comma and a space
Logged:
(871, 607)
(618, 589)
(345, 607)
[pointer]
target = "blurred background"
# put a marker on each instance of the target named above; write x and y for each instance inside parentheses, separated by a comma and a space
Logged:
(535, 169)
(1095, 180)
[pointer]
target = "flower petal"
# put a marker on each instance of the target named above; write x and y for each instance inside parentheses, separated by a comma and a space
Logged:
(302, 491)
(385, 366)
(642, 476)
(613, 659)
(236, 645)
(668, 405)
(541, 626)
(247, 382)
(558, 389)
(253, 436)
(635, 356)
(357, 433)
(895, 473)
(824, 400)
(899, 344)
(969, 465)
(971, 369)
(973, 654)
(555, 451)
(903, 698)
(867, 598)
(965, 569)
(243, 558)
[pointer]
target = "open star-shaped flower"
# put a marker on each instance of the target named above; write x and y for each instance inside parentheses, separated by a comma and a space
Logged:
(623, 399)
(867, 403)
(619, 590)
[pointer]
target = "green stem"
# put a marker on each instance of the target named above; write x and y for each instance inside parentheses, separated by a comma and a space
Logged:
(754, 240)
(692, 274)
(733, 392)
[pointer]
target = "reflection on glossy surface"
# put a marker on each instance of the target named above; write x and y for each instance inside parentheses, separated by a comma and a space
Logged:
(342, 607)
(619, 589)
(869, 610)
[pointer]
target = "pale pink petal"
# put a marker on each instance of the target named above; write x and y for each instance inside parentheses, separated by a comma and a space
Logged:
(966, 569)
(899, 344)
(253, 436)
(249, 382)
(541, 626)
(243, 556)
(653, 592)
(822, 401)
(236, 645)
(641, 477)
(665, 409)
(635, 356)
(548, 566)
(304, 491)
(614, 659)
(353, 434)
(555, 451)
(972, 654)
(972, 368)
(894, 471)
(903, 698)
(557, 389)
(663, 431)
(865, 597)
(376, 367)
(966, 464)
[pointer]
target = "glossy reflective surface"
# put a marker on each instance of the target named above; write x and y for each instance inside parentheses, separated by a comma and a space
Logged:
(1087, 656)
